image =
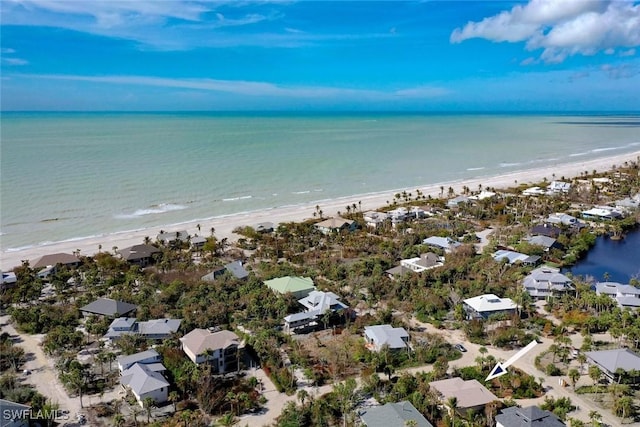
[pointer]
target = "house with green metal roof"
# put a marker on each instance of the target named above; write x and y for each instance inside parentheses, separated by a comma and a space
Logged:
(300, 287)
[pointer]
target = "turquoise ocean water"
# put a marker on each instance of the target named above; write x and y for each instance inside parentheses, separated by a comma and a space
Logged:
(69, 176)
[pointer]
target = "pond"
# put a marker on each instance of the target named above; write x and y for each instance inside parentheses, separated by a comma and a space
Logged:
(619, 259)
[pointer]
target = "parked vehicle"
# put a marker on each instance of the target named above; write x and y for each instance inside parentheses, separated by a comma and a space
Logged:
(460, 348)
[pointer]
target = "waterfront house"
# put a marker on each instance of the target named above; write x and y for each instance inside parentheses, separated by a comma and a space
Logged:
(108, 307)
(545, 230)
(558, 187)
(546, 281)
(220, 349)
(374, 219)
(471, 395)
(146, 357)
(400, 414)
(335, 225)
(316, 304)
(52, 260)
(197, 242)
(141, 255)
(145, 382)
(264, 227)
(379, 336)
(173, 237)
(610, 361)
(534, 191)
(484, 306)
(601, 213)
(298, 286)
(626, 296)
(445, 243)
(457, 201)
(531, 416)
(483, 195)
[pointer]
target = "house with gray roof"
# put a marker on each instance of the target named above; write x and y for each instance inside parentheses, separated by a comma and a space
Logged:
(144, 358)
(8, 279)
(379, 336)
(445, 243)
(545, 281)
(235, 268)
(141, 255)
(220, 349)
(336, 225)
(545, 230)
(609, 361)
(546, 242)
(108, 307)
(513, 257)
(144, 382)
(316, 304)
(393, 415)
(531, 416)
(156, 329)
(197, 242)
(14, 414)
(172, 237)
(626, 296)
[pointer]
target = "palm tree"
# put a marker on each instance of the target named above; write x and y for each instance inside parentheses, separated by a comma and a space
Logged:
(574, 376)
(174, 397)
(302, 396)
(227, 420)
(452, 403)
(148, 403)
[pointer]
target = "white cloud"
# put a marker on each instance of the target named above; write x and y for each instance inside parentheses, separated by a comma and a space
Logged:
(630, 52)
(6, 50)
(14, 61)
(255, 89)
(561, 28)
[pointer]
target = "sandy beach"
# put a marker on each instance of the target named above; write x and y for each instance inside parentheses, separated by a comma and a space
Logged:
(224, 226)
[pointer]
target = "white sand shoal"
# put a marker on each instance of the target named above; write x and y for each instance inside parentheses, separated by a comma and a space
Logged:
(224, 226)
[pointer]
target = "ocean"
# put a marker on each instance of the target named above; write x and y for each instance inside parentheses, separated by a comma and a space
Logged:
(67, 176)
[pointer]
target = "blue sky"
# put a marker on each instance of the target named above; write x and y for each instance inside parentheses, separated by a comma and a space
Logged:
(557, 55)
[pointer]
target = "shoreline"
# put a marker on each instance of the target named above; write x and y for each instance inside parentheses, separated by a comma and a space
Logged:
(225, 224)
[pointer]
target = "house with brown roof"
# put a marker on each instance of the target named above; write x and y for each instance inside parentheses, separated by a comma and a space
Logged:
(141, 255)
(335, 225)
(471, 395)
(220, 349)
(47, 265)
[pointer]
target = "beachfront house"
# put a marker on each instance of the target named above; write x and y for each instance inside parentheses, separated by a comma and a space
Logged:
(400, 414)
(483, 195)
(484, 306)
(531, 416)
(626, 296)
(264, 227)
(471, 396)
(173, 237)
(316, 305)
(611, 362)
(457, 201)
(141, 255)
(146, 382)
(336, 225)
(445, 243)
(546, 281)
(558, 187)
(48, 264)
(221, 349)
(8, 279)
(380, 336)
(534, 191)
(108, 307)
(198, 242)
(513, 257)
(300, 287)
(374, 219)
(236, 269)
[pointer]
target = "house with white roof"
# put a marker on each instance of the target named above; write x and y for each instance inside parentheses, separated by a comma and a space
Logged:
(422, 263)
(144, 358)
(601, 213)
(609, 361)
(626, 296)
(562, 219)
(534, 191)
(483, 195)
(558, 187)
(145, 382)
(445, 243)
(512, 257)
(457, 201)
(316, 304)
(220, 349)
(374, 219)
(379, 336)
(484, 306)
(546, 281)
